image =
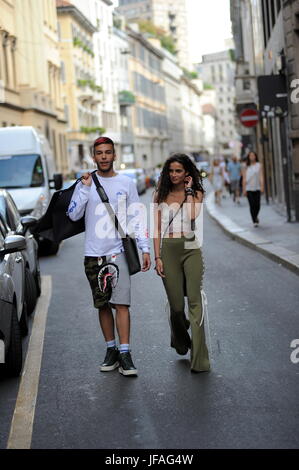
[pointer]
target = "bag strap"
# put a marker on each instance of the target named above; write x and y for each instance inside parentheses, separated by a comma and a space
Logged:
(104, 198)
(169, 223)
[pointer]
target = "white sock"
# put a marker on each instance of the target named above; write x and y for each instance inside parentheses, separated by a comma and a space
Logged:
(123, 348)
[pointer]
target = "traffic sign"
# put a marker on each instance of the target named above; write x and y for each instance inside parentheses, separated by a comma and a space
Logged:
(249, 117)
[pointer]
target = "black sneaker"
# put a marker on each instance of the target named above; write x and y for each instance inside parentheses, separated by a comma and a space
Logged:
(111, 360)
(126, 366)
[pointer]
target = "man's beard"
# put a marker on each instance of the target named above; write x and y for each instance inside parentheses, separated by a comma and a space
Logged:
(105, 170)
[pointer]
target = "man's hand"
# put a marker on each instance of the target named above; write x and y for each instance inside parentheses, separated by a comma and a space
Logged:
(86, 179)
(146, 262)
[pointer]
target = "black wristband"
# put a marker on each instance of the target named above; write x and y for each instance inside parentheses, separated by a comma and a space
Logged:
(189, 191)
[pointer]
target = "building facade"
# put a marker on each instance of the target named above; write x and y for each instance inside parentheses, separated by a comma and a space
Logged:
(100, 14)
(82, 94)
(126, 97)
(218, 71)
(290, 12)
(170, 15)
(266, 41)
(192, 117)
(245, 77)
(172, 76)
(149, 112)
(30, 72)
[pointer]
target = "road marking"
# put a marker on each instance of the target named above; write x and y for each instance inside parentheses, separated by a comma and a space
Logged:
(22, 422)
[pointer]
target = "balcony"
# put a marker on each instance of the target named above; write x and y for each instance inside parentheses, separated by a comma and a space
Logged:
(126, 98)
(88, 90)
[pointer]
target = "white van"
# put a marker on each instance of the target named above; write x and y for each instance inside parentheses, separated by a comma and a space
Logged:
(27, 171)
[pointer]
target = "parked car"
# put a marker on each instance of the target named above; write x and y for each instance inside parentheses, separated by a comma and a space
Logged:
(17, 225)
(137, 176)
(27, 171)
(13, 313)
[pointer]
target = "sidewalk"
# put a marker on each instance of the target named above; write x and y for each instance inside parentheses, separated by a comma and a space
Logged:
(275, 238)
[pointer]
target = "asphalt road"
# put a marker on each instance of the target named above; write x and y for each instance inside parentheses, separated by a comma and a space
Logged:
(248, 400)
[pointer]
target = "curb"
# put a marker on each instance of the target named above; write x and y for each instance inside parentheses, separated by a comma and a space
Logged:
(279, 254)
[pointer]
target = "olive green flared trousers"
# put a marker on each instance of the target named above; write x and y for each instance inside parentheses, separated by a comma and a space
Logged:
(183, 269)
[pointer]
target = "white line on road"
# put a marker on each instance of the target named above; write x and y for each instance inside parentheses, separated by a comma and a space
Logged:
(22, 422)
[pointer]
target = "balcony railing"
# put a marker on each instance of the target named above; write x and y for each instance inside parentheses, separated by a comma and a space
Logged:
(126, 98)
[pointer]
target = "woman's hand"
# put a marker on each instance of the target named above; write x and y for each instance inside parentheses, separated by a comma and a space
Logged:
(188, 182)
(159, 267)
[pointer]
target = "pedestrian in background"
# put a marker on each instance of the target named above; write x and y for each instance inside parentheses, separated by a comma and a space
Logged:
(234, 171)
(217, 179)
(226, 178)
(181, 267)
(253, 185)
(243, 168)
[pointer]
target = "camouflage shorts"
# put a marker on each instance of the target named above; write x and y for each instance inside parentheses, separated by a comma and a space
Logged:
(122, 292)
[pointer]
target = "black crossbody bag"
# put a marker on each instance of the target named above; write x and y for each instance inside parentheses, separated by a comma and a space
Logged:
(129, 243)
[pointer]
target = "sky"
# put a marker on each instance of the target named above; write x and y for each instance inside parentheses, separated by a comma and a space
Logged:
(209, 25)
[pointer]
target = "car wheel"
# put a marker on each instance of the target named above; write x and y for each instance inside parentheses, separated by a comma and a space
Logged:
(30, 291)
(14, 355)
(24, 321)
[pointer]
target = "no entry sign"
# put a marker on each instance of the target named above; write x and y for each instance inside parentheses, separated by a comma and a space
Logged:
(249, 117)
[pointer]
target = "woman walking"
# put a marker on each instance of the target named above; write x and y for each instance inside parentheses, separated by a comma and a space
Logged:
(178, 255)
(253, 185)
(217, 179)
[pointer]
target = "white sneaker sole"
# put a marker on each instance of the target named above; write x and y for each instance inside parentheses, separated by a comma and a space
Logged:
(127, 372)
(109, 368)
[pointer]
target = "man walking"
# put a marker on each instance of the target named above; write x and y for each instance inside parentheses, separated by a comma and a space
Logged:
(234, 171)
(103, 244)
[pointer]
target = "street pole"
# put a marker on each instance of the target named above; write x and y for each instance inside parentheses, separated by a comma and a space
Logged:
(285, 164)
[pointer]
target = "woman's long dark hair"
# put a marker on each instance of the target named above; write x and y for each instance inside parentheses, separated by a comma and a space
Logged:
(248, 162)
(165, 185)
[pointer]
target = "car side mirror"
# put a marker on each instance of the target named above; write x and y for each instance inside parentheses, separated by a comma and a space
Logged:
(13, 243)
(28, 221)
(57, 180)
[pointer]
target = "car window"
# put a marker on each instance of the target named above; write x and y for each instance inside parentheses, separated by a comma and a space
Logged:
(21, 171)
